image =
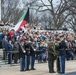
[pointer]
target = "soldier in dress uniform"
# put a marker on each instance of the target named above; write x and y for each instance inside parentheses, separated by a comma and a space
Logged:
(27, 48)
(62, 55)
(32, 54)
(57, 51)
(51, 57)
(22, 55)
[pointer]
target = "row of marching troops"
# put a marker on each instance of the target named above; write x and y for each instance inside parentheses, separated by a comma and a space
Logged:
(22, 50)
(57, 49)
(27, 51)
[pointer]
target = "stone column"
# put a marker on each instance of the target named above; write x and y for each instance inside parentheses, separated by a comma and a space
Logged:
(0, 10)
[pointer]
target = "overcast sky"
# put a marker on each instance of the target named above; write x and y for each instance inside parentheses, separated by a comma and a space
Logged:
(54, 1)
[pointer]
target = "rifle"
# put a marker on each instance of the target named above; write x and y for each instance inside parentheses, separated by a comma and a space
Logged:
(22, 48)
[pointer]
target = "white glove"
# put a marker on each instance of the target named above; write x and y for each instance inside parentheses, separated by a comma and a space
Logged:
(24, 51)
(34, 49)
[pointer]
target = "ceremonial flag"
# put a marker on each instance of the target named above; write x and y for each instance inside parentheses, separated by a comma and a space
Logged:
(23, 21)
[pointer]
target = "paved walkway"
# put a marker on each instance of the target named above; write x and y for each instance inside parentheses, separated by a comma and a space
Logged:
(41, 69)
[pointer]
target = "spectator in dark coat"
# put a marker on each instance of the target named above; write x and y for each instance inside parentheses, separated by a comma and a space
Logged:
(5, 46)
(10, 49)
(16, 53)
(1, 38)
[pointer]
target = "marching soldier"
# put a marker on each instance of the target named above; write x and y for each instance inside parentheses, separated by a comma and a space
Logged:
(32, 54)
(22, 55)
(62, 54)
(27, 48)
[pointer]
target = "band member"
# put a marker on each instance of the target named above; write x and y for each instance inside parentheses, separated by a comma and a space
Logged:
(22, 55)
(62, 54)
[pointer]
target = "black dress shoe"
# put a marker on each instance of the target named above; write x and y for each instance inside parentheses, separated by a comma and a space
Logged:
(33, 69)
(52, 72)
(27, 69)
(61, 73)
(22, 70)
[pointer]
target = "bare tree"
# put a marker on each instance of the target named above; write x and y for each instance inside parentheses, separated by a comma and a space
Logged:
(11, 10)
(71, 21)
(59, 14)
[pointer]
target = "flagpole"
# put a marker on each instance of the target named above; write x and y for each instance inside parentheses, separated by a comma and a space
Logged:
(0, 10)
(29, 12)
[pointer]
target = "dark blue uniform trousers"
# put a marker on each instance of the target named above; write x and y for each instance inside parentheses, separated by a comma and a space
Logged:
(28, 62)
(22, 64)
(61, 64)
(32, 62)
